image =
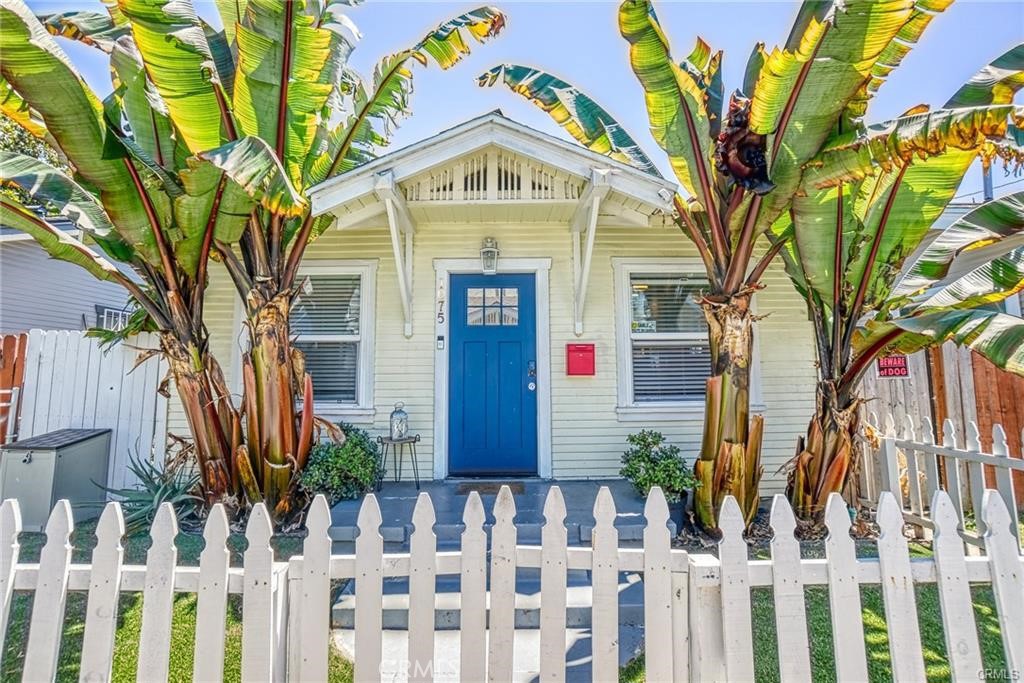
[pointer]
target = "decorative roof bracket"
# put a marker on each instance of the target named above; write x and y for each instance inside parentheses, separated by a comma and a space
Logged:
(402, 228)
(584, 222)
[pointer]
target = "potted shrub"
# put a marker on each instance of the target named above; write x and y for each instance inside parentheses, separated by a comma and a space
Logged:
(650, 461)
(343, 471)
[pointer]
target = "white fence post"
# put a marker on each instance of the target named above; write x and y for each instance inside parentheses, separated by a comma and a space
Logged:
(316, 593)
(898, 593)
(47, 622)
(844, 593)
(553, 578)
(1007, 578)
(422, 587)
(736, 611)
(257, 599)
(788, 591)
(657, 587)
(605, 580)
(503, 588)
(158, 597)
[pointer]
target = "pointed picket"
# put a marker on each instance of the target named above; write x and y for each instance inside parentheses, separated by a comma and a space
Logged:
(503, 588)
(952, 469)
(10, 527)
(553, 578)
(473, 619)
(954, 592)
(898, 593)
(257, 598)
(158, 597)
(736, 620)
(931, 461)
(1004, 475)
(315, 596)
(605, 580)
(976, 478)
(104, 592)
(422, 586)
(1007, 578)
(844, 593)
(212, 600)
(657, 587)
(788, 589)
(369, 592)
(916, 500)
(47, 623)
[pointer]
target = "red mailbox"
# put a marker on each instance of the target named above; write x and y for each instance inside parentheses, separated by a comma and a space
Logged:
(579, 359)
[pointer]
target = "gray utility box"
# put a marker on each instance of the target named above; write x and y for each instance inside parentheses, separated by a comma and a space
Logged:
(68, 463)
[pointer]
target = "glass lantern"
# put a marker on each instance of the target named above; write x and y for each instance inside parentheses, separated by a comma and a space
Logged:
(489, 256)
(399, 422)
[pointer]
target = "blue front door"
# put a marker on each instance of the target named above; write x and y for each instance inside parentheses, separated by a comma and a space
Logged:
(492, 386)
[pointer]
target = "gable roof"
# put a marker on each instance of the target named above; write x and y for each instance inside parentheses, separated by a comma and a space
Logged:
(480, 132)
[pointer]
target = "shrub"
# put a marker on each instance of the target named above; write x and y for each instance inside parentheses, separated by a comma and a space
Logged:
(651, 462)
(174, 483)
(345, 471)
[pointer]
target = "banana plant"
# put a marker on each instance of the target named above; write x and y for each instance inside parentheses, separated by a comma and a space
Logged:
(205, 150)
(875, 273)
(739, 165)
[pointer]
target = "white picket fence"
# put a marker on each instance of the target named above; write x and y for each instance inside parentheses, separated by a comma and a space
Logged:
(697, 619)
(913, 467)
(71, 382)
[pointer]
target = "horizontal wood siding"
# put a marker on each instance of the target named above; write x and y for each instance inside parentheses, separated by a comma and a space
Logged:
(41, 293)
(587, 438)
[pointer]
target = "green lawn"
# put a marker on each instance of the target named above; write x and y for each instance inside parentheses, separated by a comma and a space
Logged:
(819, 627)
(130, 615)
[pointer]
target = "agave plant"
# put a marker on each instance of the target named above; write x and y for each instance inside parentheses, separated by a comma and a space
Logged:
(876, 279)
(739, 170)
(205, 149)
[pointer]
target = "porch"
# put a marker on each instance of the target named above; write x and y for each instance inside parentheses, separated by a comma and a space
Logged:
(397, 500)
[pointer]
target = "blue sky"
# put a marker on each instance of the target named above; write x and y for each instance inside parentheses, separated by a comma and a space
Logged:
(580, 42)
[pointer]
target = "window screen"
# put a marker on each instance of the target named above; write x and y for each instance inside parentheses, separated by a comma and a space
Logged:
(325, 316)
(670, 356)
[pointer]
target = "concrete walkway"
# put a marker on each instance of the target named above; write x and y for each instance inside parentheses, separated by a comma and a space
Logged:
(397, 500)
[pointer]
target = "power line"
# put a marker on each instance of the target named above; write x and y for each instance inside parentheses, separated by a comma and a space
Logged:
(996, 187)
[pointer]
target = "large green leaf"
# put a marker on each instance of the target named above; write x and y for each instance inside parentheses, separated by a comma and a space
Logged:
(375, 111)
(205, 193)
(988, 224)
(49, 186)
(57, 243)
(920, 135)
(90, 28)
(289, 63)
(252, 165)
(582, 117)
(43, 76)
(14, 107)
(847, 46)
(984, 276)
(231, 13)
(996, 83)
(142, 105)
(924, 12)
(172, 42)
(997, 336)
(676, 96)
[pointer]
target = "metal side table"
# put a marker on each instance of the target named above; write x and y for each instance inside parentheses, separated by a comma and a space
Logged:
(397, 449)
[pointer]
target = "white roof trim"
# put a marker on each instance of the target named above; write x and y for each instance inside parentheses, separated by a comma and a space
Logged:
(490, 129)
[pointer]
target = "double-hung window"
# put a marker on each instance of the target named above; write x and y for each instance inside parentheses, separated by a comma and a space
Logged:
(332, 317)
(663, 356)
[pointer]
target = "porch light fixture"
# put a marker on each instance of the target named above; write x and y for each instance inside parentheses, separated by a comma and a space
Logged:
(489, 256)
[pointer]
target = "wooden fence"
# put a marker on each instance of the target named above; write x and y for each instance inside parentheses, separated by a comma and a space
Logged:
(12, 375)
(913, 467)
(70, 381)
(697, 620)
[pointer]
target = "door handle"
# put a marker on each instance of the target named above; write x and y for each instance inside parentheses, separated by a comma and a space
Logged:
(531, 368)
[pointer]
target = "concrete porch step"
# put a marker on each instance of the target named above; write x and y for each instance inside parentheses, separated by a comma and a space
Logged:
(527, 615)
(395, 667)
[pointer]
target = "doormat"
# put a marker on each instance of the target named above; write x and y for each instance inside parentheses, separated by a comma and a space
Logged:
(489, 488)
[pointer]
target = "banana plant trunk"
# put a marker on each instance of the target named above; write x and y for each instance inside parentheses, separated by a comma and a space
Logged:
(730, 455)
(212, 419)
(826, 457)
(279, 435)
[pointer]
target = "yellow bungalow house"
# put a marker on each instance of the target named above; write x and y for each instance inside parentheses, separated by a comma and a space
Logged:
(539, 363)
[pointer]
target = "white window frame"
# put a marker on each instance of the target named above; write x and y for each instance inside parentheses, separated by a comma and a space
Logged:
(363, 410)
(627, 409)
(107, 314)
